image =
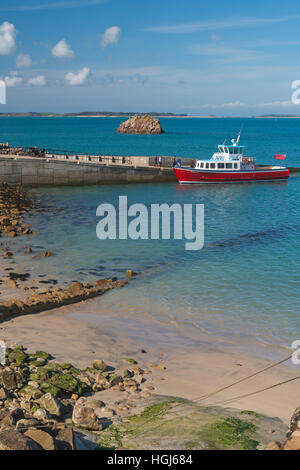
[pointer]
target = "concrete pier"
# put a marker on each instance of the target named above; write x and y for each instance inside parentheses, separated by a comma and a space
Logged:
(53, 171)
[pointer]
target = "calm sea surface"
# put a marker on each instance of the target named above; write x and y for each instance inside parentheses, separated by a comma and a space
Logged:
(246, 279)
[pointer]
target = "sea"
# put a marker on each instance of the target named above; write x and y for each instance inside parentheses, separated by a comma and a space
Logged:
(243, 285)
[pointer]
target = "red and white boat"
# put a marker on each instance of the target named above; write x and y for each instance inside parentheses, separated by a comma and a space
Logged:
(229, 165)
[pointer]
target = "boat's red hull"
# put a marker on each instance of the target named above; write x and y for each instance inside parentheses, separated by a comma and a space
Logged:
(186, 175)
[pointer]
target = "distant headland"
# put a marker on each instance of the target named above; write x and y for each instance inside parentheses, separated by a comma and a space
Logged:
(91, 114)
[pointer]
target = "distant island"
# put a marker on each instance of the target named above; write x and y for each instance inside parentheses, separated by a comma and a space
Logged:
(91, 114)
(277, 116)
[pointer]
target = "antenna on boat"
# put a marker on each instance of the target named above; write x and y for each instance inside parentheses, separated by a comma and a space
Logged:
(240, 133)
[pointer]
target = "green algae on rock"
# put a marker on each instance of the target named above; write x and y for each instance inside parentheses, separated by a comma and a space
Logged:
(171, 423)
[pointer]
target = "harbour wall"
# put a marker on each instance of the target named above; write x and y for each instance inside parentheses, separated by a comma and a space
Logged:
(32, 171)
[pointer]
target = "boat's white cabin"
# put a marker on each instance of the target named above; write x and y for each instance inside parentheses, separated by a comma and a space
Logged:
(228, 157)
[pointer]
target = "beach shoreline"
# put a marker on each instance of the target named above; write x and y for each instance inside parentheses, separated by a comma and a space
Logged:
(184, 371)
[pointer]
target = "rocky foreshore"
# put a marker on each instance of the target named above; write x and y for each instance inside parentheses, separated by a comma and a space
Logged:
(43, 402)
(140, 125)
(14, 204)
(49, 299)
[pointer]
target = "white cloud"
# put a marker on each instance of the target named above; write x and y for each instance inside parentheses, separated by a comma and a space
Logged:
(8, 34)
(79, 78)
(23, 60)
(240, 104)
(110, 36)
(13, 79)
(62, 50)
(213, 25)
(54, 5)
(40, 80)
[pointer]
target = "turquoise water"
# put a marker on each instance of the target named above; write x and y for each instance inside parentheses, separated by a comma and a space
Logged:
(183, 137)
(245, 281)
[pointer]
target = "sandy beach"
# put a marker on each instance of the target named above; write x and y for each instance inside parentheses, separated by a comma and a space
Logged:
(82, 333)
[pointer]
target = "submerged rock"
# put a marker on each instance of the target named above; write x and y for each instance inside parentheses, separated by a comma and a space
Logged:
(140, 125)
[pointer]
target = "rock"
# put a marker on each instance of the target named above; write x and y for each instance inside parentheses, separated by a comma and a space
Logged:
(42, 438)
(85, 417)
(127, 373)
(130, 274)
(42, 355)
(11, 439)
(11, 283)
(115, 380)
(101, 381)
(292, 444)
(42, 414)
(77, 288)
(158, 367)
(46, 253)
(104, 413)
(273, 445)
(30, 392)
(100, 365)
(51, 404)
(68, 383)
(130, 361)
(140, 125)
(295, 420)
(17, 356)
(95, 404)
(24, 424)
(65, 439)
(3, 394)
(11, 379)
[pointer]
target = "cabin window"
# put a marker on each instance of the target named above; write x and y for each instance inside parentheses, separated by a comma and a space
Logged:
(229, 165)
(207, 165)
(202, 165)
(220, 165)
(235, 166)
(212, 165)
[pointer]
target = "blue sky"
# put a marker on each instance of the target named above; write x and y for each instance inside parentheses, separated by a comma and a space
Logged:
(226, 58)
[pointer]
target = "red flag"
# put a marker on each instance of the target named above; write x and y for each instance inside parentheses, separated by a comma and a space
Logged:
(280, 157)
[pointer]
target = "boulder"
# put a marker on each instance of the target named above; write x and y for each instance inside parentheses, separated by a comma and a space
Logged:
(100, 365)
(85, 417)
(11, 379)
(51, 404)
(42, 438)
(292, 444)
(42, 415)
(140, 125)
(11, 439)
(65, 439)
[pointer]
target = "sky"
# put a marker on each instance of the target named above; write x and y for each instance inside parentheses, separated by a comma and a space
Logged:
(224, 58)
